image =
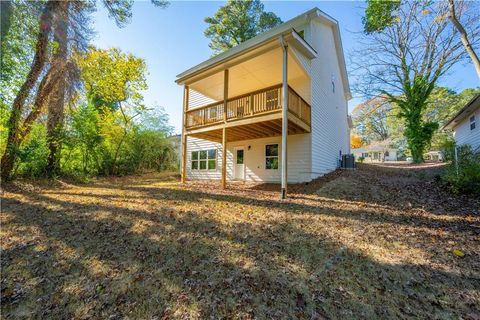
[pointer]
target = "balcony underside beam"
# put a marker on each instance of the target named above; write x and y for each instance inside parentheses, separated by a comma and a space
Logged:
(262, 129)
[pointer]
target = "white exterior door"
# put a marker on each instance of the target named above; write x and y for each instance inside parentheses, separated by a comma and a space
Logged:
(239, 164)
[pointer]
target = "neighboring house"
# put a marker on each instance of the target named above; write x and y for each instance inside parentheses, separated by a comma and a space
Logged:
(466, 124)
(377, 151)
(434, 156)
(276, 101)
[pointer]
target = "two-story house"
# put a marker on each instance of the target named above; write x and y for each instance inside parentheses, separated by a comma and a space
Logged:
(272, 109)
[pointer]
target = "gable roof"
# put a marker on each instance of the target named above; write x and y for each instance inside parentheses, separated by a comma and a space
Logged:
(470, 107)
(283, 29)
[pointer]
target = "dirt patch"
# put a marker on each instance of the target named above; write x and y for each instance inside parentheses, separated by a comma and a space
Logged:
(344, 187)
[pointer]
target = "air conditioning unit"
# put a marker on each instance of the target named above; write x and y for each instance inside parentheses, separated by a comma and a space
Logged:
(347, 162)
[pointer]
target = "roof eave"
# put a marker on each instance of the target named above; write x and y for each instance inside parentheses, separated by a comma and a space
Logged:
(290, 36)
(271, 35)
(472, 105)
(247, 45)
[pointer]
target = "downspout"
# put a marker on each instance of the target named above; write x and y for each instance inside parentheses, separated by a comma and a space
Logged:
(284, 116)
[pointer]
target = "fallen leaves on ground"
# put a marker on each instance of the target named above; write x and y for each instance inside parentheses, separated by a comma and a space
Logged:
(372, 243)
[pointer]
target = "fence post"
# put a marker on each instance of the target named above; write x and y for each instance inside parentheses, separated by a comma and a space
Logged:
(456, 160)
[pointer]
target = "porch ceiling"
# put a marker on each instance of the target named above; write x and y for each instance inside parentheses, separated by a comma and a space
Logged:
(271, 128)
(260, 71)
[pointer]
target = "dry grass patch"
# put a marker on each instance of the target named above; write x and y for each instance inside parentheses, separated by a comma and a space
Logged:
(146, 247)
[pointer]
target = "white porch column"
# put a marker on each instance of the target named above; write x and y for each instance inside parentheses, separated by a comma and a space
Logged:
(284, 118)
(224, 130)
(184, 135)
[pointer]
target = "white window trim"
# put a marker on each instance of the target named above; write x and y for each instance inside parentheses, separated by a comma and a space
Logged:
(265, 155)
(207, 159)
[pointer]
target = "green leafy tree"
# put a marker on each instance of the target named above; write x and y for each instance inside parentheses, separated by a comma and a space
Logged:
(44, 74)
(404, 59)
(19, 29)
(236, 22)
(370, 119)
(379, 14)
(112, 77)
(114, 82)
(70, 20)
(93, 136)
(82, 154)
(17, 129)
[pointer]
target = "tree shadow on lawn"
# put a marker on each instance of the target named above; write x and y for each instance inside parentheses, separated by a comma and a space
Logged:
(356, 211)
(403, 186)
(100, 260)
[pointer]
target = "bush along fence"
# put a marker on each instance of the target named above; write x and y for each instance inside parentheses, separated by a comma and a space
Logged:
(463, 173)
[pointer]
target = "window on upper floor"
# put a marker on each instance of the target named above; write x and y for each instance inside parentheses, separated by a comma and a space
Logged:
(472, 122)
(333, 83)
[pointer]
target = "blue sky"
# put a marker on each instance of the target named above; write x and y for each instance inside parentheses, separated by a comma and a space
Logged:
(171, 40)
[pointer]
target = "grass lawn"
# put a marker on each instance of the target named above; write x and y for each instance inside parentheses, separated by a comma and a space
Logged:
(372, 243)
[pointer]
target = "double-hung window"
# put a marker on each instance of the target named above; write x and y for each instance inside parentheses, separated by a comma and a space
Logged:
(271, 156)
(204, 160)
(472, 122)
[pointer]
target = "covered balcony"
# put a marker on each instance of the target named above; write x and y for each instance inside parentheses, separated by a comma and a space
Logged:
(253, 115)
(261, 88)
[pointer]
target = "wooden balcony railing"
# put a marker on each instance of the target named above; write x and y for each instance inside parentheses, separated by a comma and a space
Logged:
(299, 107)
(268, 100)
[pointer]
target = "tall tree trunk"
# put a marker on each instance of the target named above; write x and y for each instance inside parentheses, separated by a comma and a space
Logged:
(39, 60)
(57, 101)
(463, 36)
(44, 93)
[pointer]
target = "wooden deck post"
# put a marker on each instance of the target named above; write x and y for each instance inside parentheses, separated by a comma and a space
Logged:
(284, 118)
(224, 131)
(184, 134)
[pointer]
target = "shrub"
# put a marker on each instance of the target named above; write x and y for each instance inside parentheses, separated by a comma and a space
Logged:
(464, 175)
(33, 153)
(361, 159)
(99, 143)
(153, 151)
(448, 148)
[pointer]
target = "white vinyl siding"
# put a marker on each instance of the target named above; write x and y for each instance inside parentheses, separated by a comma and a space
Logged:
(369, 155)
(194, 144)
(298, 157)
(329, 109)
(464, 135)
(309, 155)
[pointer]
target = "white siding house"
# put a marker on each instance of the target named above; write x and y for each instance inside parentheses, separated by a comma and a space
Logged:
(372, 155)
(466, 124)
(377, 151)
(286, 87)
